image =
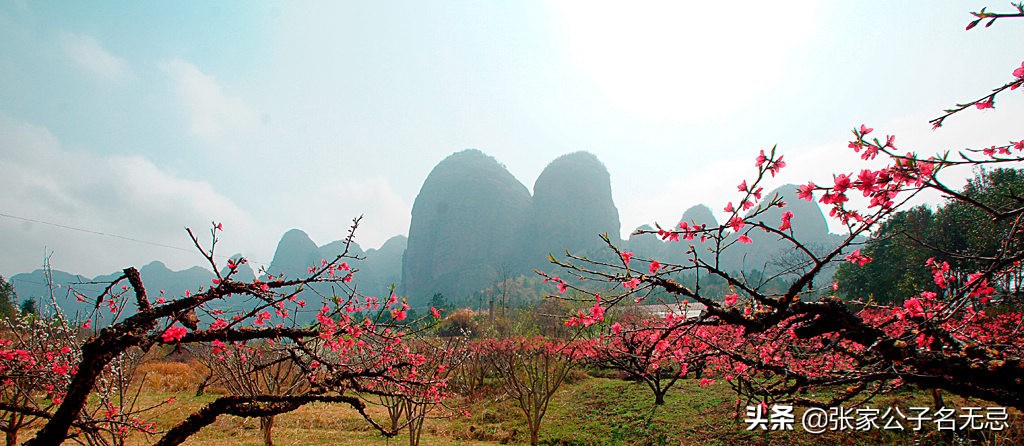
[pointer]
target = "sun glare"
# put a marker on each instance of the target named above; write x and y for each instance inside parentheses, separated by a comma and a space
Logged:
(675, 61)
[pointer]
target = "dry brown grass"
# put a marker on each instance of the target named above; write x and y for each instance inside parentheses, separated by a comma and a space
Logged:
(172, 376)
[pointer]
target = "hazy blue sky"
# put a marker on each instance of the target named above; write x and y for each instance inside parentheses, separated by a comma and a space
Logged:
(141, 118)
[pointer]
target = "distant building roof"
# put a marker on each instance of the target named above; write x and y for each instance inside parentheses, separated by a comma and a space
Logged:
(691, 310)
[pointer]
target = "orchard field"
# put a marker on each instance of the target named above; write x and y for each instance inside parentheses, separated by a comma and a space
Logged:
(585, 411)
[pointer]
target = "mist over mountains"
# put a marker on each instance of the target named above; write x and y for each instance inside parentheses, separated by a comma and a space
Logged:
(473, 225)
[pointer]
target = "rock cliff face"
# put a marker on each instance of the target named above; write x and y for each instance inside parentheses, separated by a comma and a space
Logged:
(572, 204)
(294, 255)
(646, 245)
(378, 269)
(243, 273)
(466, 226)
(474, 224)
(694, 216)
(699, 215)
(382, 267)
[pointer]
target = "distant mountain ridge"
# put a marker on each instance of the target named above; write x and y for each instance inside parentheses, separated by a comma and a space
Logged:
(296, 252)
(766, 252)
(473, 225)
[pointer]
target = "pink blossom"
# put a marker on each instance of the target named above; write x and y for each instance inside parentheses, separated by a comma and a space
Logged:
(914, 307)
(745, 240)
(777, 166)
(868, 180)
(596, 313)
(174, 334)
(668, 235)
(980, 286)
(786, 217)
(654, 267)
(923, 341)
(218, 324)
(731, 299)
(806, 192)
(1019, 72)
(984, 104)
(631, 284)
(400, 313)
(857, 258)
(737, 223)
(626, 256)
(842, 183)
(864, 130)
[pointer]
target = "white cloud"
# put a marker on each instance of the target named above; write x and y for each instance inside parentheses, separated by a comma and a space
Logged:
(212, 112)
(122, 196)
(385, 214)
(89, 53)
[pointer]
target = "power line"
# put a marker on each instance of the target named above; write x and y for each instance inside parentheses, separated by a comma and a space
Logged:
(122, 237)
(117, 236)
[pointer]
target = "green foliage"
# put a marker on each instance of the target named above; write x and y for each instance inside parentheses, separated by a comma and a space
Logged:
(959, 232)
(897, 269)
(28, 307)
(438, 301)
(7, 299)
(965, 230)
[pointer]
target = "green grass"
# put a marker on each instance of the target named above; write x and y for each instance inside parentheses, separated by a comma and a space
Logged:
(600, 411)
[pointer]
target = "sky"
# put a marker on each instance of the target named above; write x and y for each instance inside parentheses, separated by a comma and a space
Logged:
(123, 122)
